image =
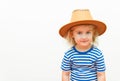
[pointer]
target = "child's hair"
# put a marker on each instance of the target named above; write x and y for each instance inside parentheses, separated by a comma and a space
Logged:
(71, 40)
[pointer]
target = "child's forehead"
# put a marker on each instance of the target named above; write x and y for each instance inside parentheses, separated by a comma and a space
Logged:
(83, 27)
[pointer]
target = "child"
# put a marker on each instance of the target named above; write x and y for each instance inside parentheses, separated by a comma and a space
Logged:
(83, 61)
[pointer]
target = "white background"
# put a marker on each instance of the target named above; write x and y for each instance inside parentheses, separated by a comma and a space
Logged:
(30, 46)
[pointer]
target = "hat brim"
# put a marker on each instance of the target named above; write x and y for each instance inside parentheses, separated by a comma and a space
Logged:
(101, 27)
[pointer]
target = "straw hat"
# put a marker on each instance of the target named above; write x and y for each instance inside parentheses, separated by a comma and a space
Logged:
(82, 16)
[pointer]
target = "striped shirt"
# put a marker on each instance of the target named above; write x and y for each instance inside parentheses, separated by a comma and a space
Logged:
(83, 65)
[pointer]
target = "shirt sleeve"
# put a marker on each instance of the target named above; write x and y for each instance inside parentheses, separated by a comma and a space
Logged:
(66, 64)
(100, 64)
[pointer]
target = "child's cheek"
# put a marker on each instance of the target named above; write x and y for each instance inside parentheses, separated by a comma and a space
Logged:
(77, 39)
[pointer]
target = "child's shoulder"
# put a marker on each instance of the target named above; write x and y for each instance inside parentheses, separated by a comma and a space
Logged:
(69, 51)
(97, 50)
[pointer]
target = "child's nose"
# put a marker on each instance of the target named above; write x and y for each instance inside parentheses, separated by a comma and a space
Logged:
(84, 36)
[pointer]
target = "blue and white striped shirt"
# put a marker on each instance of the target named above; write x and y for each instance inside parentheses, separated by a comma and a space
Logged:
(83, 65)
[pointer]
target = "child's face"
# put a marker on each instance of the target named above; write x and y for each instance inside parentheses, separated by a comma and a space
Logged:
(83, 35)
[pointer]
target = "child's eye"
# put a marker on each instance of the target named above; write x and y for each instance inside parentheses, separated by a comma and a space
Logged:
(88, 33)
(79, 33)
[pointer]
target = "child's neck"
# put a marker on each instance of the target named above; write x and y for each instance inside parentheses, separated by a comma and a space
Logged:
(82, 48)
